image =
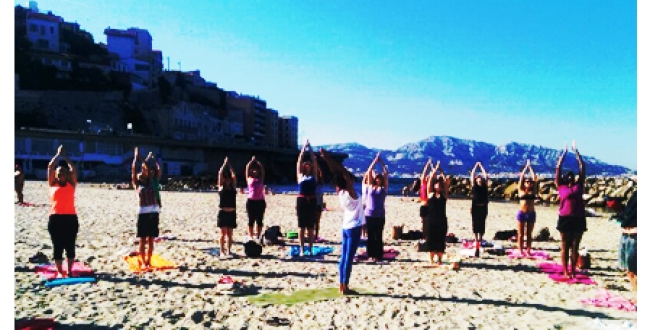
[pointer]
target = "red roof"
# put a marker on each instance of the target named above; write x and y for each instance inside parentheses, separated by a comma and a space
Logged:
(45, 17)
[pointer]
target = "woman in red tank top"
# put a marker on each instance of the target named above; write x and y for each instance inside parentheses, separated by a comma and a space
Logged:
(63, 224)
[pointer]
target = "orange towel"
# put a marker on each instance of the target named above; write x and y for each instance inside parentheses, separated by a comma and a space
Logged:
(157, 263)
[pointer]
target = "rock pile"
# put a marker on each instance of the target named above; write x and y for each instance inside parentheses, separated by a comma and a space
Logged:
(597, 190)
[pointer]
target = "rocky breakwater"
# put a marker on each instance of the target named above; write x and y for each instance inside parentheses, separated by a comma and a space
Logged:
(193, 183)
(597, 190)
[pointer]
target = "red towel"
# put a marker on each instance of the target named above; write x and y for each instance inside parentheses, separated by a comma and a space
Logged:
(78, 269)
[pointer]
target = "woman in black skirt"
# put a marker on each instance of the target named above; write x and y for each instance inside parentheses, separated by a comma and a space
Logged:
(479, 205)
(436, 226)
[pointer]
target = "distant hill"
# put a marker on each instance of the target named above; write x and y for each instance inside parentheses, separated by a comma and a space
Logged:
(458, 156)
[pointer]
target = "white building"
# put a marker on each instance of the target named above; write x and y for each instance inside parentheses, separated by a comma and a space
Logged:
(43, 31)
(134, 49)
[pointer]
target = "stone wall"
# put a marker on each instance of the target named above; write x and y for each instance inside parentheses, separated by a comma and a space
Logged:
(596, 189)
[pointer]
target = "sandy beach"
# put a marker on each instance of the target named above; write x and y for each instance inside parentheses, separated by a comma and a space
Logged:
(490, 292)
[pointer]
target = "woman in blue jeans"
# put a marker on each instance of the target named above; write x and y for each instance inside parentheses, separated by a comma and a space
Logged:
(352, 220)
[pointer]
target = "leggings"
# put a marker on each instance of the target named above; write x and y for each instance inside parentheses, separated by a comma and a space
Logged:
(63, 230)
(351, 238)
(375, 244)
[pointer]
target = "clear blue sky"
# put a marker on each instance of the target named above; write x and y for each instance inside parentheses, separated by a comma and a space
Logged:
(385, 73)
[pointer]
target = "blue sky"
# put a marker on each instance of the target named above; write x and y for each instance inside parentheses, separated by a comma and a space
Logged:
(384, 74)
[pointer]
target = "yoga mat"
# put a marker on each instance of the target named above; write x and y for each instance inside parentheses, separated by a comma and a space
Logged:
(534, 254)
(157, 263)
(607, 299)
(556, 273)
(469, 252)
(389, 254)
(470, 244)
(294, 251)
(48, 272)
(35, 324)
(214, 251)
(300, 296)
(68, 281)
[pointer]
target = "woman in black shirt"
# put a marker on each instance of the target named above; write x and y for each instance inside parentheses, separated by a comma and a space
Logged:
(479, 205)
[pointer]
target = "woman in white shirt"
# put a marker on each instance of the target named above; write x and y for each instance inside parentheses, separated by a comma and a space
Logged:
(352, 220)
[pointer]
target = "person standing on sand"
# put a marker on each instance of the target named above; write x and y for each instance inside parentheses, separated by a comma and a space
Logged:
(479, 208)
(148, 208)
(572, 222)
(436, 224)
(63, 224)
(320, 204)
(424, 183)
(376, 186)
(227, 216)
(526, 216)
(306, 202)
(352, 206)
(627, 247)
(19, 184)
(255, 204)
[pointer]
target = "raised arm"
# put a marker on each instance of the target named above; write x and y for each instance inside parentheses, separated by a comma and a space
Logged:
(432, 178)
(300, 157)
(369, 177)
(447, 180)
(522, 175)
(472, 175)
(134, 172)
(248, 167)
(51, 166)
(220, 175)
(314, 162)
(424, 170)
(72, 169)
(336, 167)
(581, 164)
(233, 176)
(385, 172)
(261, 170)
(485, 175)
(558, 168)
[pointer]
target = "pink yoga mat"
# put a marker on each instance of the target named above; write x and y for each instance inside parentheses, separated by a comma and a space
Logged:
(606, 299)
(49, 271)
(534, 254)
(390, 254)
(556, 273)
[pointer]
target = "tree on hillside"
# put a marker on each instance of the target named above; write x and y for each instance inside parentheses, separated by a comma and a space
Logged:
(165, 89)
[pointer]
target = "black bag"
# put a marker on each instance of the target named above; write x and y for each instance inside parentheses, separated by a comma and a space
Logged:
(504, 235)
(252, 249)
(414, 234)
(272, 234)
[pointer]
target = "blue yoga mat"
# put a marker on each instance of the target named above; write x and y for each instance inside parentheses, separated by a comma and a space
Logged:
(316, 251)
(68, 281)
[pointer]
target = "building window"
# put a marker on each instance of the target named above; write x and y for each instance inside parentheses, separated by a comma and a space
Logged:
(33, 28)
(64, 63)
(141, 67)
(51, 30)
(42, 30)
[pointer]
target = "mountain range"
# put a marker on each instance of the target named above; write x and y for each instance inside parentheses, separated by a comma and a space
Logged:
(458, 156)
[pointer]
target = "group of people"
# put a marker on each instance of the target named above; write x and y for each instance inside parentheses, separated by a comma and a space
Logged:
(365, 212)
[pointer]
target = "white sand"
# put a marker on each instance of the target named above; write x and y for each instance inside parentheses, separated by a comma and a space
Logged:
(490, 292)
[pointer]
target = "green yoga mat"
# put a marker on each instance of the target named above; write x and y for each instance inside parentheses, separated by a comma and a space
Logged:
(292, 234)
(298, 296)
